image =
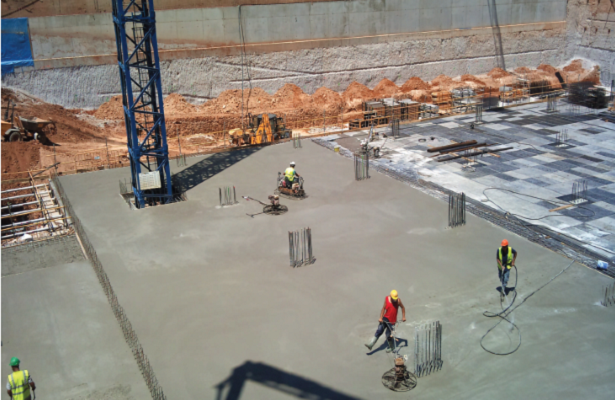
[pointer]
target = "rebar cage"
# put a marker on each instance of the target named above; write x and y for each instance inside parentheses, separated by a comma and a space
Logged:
(300, 247)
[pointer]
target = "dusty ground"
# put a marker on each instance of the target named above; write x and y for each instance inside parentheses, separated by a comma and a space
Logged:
(80, 130)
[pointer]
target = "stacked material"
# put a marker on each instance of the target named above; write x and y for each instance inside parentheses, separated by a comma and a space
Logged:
(443, 99)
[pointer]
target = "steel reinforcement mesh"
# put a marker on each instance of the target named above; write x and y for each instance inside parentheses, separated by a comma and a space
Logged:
(129, 333)
(537, 234)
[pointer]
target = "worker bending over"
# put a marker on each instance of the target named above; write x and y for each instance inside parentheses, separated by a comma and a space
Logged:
(388, 319)
(506, 257)
(290, 174)
(20, 382)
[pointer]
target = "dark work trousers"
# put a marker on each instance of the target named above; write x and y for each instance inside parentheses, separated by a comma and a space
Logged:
(385, 324)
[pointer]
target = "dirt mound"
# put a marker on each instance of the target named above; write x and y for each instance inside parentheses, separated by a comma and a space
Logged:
(498, 73)
(423, 96)
(385, 88)
(112, 109)
(523, 70)
(290, 96)
(414, 83)
(472, 79)
(592, 76)
(176, 104)
(574, 66)
(443, 82)
(20, 156)
(354, 95)
(547, 68)
(327, 98)
(255, 100)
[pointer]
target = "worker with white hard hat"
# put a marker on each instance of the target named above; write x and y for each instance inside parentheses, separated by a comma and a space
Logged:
(290, 174)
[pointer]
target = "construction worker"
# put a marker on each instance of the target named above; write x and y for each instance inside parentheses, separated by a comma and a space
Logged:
(506, 257)
(388, 319)
(290, 174)
(20, 382)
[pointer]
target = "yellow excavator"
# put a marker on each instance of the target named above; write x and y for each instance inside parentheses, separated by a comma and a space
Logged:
(264, 128)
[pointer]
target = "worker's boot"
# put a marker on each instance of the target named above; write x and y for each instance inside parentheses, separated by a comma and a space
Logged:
(371, 343)
(391, 345)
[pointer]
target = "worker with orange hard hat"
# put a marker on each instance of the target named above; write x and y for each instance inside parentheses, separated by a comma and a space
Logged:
(388, 319)
(506, 257)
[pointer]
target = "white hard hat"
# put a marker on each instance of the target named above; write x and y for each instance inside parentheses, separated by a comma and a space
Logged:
(292, 163)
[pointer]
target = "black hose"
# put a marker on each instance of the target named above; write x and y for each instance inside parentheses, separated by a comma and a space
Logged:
(503, 315)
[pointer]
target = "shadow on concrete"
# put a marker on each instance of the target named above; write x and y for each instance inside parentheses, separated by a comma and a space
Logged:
(497, 34)
(401, 342)
(198, 173)
(276, 379)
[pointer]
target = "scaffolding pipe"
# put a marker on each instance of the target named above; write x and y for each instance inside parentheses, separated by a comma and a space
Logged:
(24, 204)
(28, 212)
(23, 233)
(23, 188)
(28, 223)
(24, 195)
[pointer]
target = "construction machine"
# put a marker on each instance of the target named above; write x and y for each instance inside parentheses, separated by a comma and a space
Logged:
(17, 129)
(267, 128)
(295, 192)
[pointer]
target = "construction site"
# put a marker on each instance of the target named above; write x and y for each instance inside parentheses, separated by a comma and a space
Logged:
(147, 252)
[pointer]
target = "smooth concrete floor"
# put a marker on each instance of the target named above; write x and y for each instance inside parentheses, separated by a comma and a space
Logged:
(58, 322)
(221, 315)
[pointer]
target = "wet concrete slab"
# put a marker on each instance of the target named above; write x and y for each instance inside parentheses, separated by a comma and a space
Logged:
(221, 314)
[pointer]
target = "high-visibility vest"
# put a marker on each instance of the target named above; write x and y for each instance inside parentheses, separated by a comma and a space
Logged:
(509, 259)
(290, 173)
(20, 388)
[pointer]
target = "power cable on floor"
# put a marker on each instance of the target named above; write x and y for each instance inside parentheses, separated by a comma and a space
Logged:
(503, 315)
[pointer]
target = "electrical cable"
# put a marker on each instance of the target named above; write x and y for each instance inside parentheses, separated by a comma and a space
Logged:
(503, 315)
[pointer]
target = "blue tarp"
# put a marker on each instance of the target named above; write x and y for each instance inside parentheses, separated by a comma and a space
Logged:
(16, 50)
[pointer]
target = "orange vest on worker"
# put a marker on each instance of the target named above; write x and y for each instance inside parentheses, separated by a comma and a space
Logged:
(390, 310)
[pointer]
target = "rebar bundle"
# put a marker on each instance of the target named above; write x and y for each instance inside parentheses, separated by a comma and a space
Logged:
(361, 166)
(609, 296)
(228, 196)
(456, 210)
(129, 334)
(579, 191)
(478, 119)
(300, 247)
(297, 140)
(395, 128)
(551, 103)
(561, 138)
(427, 349)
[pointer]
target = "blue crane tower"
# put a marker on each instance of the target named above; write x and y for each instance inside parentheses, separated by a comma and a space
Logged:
(137, 57)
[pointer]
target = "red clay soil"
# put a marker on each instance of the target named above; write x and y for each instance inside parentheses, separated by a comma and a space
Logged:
(176, 104)
(498, 73)
(385, 88)
(20, 156)
(414, 83)
(291, 96)
(111, 110)
(467, 78)
(354, 95)
(523, 70)
(547, 68)
(325, 98)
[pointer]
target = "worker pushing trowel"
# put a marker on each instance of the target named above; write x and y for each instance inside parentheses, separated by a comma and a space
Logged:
(388, 320)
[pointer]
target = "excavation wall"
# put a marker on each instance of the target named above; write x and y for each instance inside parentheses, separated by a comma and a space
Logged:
(309, 44)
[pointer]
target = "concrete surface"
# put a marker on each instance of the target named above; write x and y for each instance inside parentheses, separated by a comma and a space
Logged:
(220, 313)
(57, 321)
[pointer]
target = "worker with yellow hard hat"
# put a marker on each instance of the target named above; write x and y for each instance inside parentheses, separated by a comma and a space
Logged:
(20, 382)
(388, 319)
(505, 257)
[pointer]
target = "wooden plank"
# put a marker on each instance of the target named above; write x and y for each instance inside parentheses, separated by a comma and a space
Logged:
(562, 207)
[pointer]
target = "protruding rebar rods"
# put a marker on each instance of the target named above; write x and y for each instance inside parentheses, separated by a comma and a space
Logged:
(579, 191)
(427, 349)
(297, 140)
(456, 210)
(300, 247)
(609, 296)
(395, 128)
(361, 166)
(227, 195)
(552, 103)
(561, 138)
(478, 118)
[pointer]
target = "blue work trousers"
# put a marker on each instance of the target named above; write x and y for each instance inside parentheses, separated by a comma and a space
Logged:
(504, 275)
(385, 324)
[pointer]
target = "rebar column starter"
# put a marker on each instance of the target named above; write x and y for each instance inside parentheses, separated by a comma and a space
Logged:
(456, 210)
(478, 118)
(297, 140)
(427, 349)
(300, 247)
(361, 166)
(609, 296)
(551, 103)
(579, 191)
(561, 138)
(227, 195)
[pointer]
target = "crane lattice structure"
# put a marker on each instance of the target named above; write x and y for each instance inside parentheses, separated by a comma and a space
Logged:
(137, 56)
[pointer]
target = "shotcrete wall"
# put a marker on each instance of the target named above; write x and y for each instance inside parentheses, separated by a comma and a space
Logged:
(309, 44)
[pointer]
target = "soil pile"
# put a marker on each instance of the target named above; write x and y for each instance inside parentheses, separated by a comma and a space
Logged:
(523, 70)
(327, 99)
(290, 96)
(474, 81)
(414, 83)
(255, 100)
(547, 68)
(176, 104)
(385, 88)
(574, 66)
(20, 156)
(498, 73)
(111, 110)
(443, 82)
(354, 95)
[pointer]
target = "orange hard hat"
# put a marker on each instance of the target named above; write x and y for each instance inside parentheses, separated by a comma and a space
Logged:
(504, 242)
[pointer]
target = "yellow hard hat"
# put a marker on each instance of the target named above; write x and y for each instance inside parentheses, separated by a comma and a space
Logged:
(394, 294)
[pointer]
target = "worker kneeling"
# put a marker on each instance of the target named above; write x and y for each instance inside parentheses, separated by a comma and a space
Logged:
(289, 176)
(388, 319)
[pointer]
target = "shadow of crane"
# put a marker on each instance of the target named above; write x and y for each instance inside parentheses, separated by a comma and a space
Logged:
(276, 379)
(497, 34)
